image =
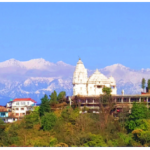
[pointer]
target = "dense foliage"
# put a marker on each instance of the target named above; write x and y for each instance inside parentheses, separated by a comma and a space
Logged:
(143, 83)
(44, 107)
(65, 127)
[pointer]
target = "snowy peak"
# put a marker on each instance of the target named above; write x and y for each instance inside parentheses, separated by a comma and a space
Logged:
(35, 80)
(11, 63)
(37, 64)
(115, 67)
(62, 63)
(36, 77)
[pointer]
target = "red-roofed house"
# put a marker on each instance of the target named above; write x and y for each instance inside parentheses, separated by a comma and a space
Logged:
(20, 106)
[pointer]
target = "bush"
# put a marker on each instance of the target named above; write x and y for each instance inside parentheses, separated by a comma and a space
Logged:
(48, 121)
(95, 141)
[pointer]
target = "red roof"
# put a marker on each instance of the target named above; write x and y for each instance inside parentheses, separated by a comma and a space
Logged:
(24, 99)
(143, 93)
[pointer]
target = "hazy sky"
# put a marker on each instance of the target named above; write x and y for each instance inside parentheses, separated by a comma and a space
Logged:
(101, 34)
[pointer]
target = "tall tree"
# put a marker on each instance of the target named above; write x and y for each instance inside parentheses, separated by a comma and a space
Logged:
(143, 84)
(106, 103)
(61, 96)
(48, 121)
(45, 105)
(148, 84)
(53, 98)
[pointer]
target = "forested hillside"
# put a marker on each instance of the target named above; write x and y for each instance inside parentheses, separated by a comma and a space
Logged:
(66, 127)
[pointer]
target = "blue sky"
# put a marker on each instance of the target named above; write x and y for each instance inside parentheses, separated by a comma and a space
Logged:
(101, 34)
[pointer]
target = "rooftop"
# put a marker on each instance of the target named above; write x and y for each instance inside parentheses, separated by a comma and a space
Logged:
(24, 99)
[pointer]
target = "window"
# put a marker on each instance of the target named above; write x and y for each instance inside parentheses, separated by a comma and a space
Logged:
(99, 86)
(17, 108)
(3, 114)
(22, 103)
(17, 103)
(17, 114)
(112, 87)
(28, 103)
(22, 108)
(118, 99)
(13, 119)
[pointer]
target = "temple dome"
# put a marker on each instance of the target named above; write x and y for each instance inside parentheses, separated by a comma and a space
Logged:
(111, 78)
(97, 77)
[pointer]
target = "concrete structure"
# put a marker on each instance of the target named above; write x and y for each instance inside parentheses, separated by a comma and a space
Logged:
(92, 86)
(6, 116)
(92, 103)
(20, 106)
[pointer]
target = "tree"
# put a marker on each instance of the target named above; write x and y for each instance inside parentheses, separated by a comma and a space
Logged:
(2, 125)
(61, 96)
(48, 121)
(138, 112)
(36, 109)
(45, 105)
(106, 103)
(123, 117)
(143, 84)
(53, 98)
(70, 115)
(95, 141)
(31, 120)
(142, 132)
(107, 90)
(148, 84)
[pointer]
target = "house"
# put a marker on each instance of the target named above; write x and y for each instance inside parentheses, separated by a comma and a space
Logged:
(6, 116)
(9, 106)
(21, 105)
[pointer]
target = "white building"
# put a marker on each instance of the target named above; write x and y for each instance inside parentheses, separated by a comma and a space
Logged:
(20, 106)
(92, 86)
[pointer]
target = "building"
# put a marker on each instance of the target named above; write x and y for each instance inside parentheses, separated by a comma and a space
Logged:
(20, 106)
(16, 109)
(6, 116)
(87, 92)
(92, 86)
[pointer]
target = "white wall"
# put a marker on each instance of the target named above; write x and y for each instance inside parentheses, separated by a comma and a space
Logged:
(8, 104)
(79, 89)
(9, 120)
(26, 103)
(19, 105)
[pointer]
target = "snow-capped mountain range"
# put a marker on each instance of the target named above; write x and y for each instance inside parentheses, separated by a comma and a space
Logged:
(36, 77)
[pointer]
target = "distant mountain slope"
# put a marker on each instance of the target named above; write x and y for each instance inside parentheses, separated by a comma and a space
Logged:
(36, 77)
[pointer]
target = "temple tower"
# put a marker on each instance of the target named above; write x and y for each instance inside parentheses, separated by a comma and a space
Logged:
(80, 79)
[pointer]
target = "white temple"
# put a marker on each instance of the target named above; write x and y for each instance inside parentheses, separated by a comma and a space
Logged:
(92, 86)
